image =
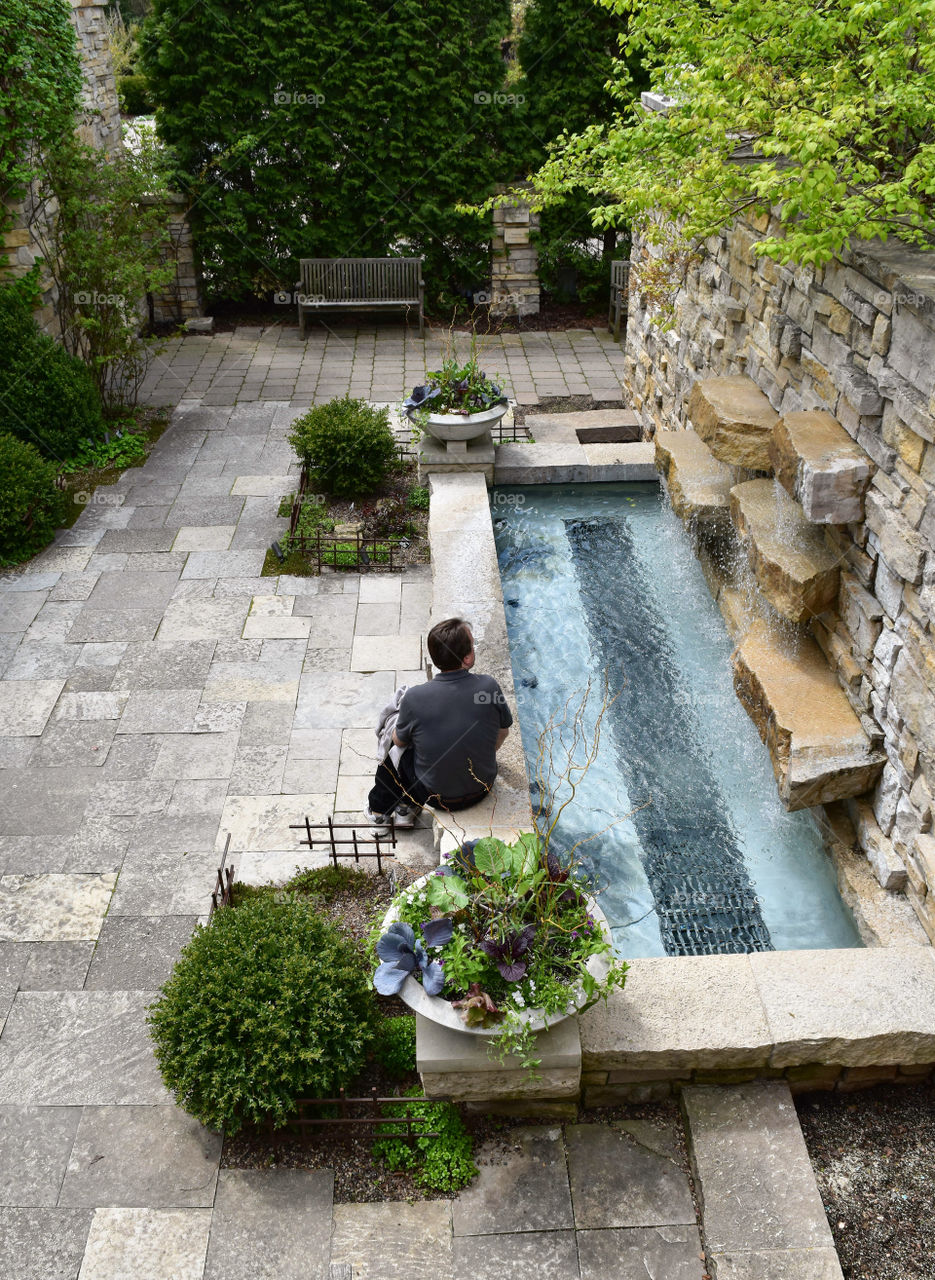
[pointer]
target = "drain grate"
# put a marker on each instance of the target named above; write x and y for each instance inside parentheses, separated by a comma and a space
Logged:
(704, 898)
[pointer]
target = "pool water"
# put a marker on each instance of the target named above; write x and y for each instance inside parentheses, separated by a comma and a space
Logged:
(682, 828)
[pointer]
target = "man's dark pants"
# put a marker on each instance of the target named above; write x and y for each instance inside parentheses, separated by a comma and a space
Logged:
(400, 786)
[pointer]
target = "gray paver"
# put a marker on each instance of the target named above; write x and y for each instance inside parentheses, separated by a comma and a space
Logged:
(19, 609)
(164, 882)
(41, 660)
(394, 1240)
(160, 711)
(79, 1048)
(530, 1192)
(133, 756)
(136, 622)
(136, 540)
(671, 1253)
(81, 743)
(199, 755)
(25, 706)
(55, 966)
(754, 1176)
(342, 700)
(272, 1224)
(204, 619)
(178, 1168)
(158, 665)
(616, 1182)
(34, 1147)
(115, 590)
(786, 1264)
(547, 1255)
(138, 952)
(146, 1244)
(45, 801)
(43, 1243)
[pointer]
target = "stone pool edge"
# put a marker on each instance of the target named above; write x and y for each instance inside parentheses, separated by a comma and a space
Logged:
(843, 1018)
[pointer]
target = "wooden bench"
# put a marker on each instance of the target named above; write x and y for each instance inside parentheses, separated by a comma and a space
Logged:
(619, 288)
(360, 284)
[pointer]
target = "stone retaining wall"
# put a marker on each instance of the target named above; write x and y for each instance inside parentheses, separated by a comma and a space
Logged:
(857, 339)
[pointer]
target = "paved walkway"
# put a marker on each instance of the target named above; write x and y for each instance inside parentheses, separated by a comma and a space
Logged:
(156, 693)
(384, 363)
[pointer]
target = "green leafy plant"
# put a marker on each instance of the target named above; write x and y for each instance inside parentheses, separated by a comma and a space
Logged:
(267, 1004)
(313, 518)
(101, 222)
(31, 505)
(124, 449)
(48, 396)
(326, 883)
(134, 95)
(389, 518)
(395, 1047)
(346, 446)
(441, 1163)
(419, 497)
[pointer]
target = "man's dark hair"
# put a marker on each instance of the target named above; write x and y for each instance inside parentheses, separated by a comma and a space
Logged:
(449, 643)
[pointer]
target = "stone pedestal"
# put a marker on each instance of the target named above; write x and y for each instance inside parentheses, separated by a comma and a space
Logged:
(459, 1066)
(436, 458)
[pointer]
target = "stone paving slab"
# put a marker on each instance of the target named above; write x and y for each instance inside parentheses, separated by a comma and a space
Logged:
(25, 706)
(393, 1240)
(379, 652)
(752, 1170)
(147, 1244)
(166, 882)
(547, 1255)
(53, 908)
(669, 1253)
(193, 756)
(160, 711)
(616, 1182)
(271, 1224)
(55, 966)
(203, 619)
(524, 1190)
(45, 801)
(75, 744)
(138, 952)
(35, 1143)
(79, 1048)
(786, 1264)
(341, 700)
(43, 1243)
(179, 1168)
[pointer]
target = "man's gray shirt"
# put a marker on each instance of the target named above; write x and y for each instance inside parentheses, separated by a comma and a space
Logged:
(452, 723)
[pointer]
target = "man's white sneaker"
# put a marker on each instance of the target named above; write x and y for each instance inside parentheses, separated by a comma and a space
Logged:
(380, 823)
(405, 816)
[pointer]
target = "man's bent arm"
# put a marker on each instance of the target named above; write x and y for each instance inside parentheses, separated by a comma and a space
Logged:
(404, 745)
(501, 738)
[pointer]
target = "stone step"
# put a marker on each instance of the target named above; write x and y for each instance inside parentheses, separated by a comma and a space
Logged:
(697, 483)
(795, 569)
(735, 419)
(820, 466)
(585, 426)
(818, 749)
(761, 1208)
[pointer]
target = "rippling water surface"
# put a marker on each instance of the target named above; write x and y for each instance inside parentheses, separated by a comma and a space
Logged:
(695, 855)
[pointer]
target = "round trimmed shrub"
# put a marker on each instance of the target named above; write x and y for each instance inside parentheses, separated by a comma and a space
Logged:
(346, 446)
(267, 1004)
(49, 396)
(31, 506)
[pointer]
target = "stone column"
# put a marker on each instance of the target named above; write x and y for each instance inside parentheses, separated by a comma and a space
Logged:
(99, 121)
(514, 260)
(180, 300)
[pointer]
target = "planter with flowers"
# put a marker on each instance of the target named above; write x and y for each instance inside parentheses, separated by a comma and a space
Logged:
(458, 403)
(502, 942)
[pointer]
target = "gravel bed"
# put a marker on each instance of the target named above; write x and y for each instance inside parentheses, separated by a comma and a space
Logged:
(872, 1153)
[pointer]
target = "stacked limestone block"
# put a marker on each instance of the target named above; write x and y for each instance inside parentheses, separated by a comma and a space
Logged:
(180, 300)
(100, 126)
(854, 341)
(514, 261)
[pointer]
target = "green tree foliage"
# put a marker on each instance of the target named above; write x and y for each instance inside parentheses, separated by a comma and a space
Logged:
(31, 506)
(308, 128)
(824, 112)
(268, 1004)
(47, 397)
(40, 78)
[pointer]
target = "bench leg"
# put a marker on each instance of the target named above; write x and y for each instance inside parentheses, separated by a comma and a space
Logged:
(301, 322)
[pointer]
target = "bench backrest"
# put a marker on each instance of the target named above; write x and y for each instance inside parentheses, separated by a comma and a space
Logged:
(362, 279)
(620, 273)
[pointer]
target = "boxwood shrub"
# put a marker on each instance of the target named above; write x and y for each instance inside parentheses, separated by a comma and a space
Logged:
(49, 397)
(31, 507)
(267, 1004)
(346, 446)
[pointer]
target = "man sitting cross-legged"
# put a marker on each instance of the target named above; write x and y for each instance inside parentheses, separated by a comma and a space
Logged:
(449, 731)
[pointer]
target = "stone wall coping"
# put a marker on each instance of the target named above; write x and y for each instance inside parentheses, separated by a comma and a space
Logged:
(774, 1009)
(573, 463)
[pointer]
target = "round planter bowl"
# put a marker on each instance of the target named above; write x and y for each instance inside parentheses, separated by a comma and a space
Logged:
(439, 1010)
(459, 426)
